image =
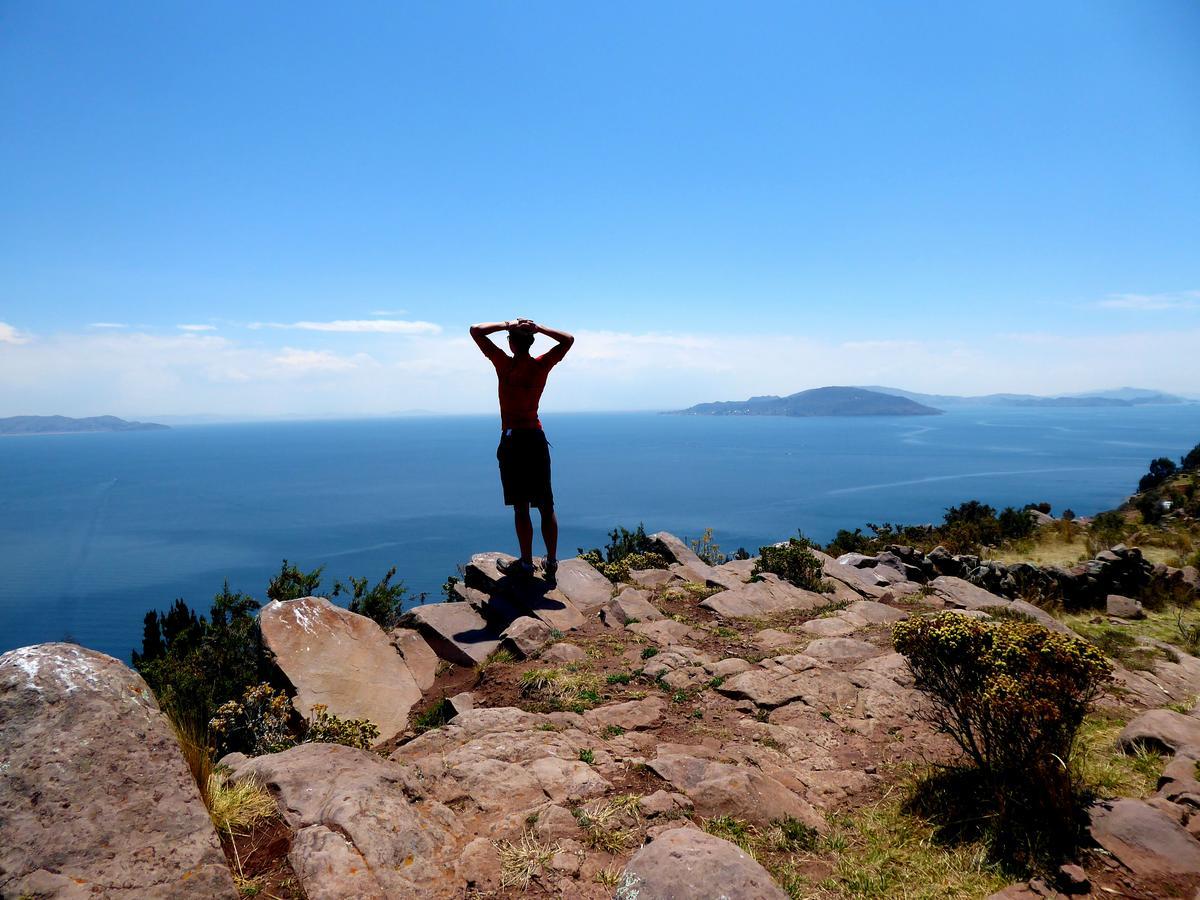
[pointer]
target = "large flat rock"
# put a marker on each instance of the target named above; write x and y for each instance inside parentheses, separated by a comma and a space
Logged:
(689, 864)
(95, 797)
(762, 598)
(583, 585)
(510, 597)
(1146, 840)
(456, 632)
(1162, 729)
(722, 789)
(340, 659)
(391, 839)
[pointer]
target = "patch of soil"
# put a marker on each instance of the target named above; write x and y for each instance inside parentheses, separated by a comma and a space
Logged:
(259, 862)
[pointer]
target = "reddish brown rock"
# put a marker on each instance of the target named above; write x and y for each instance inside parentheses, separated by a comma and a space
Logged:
(365, 826)
(1146, 841)
(719, 789)
(689, 864)
(95, 797)
(342, 660)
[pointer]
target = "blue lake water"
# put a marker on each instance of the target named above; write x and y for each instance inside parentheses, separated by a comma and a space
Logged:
(96, 529)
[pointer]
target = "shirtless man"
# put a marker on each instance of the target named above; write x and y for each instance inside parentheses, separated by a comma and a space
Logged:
(524, 453)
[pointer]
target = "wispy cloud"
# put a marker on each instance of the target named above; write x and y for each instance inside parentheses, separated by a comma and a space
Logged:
(10, 335)
(108, 325)
(196, 327)
(1151, 302)
(315, 361)
(359, 326)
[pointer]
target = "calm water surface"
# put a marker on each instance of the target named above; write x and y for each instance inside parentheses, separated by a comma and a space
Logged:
(96, 529)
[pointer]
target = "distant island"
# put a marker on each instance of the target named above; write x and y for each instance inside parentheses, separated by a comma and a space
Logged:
(824, 401)
(67, 425)
(1118, 397)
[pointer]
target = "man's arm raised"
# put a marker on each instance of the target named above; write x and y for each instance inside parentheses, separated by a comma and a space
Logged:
(480, 335)
(555, 354)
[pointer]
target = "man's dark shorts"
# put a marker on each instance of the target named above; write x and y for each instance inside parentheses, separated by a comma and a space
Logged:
(524, 455)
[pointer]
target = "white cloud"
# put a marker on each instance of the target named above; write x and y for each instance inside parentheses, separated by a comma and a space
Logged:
(1152, 302)
(10, 335)
(316, 360)
(108, 325)
(359, 326)
(136, 374)
(196, 327)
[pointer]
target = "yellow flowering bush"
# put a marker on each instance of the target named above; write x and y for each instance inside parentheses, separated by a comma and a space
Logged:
(1012, 695)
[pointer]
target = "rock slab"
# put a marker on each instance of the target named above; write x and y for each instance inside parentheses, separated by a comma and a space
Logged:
(95, 796)
(341, 659)
(1146, 840)
(689, 864)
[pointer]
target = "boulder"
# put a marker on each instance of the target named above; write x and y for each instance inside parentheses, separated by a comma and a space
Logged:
(418, 655)
(630, 715)
(762, 598)
(741, 569)
(666, 632)
(829, 626)
(771, 688)
(1162, 729)
(868, 612)
(632, 604)
(364, 825)
(526, 636)
(482, 762)
(456, 632)
(340, 659)
(1145, 840)
(689, 864)
(841, 649)
(1124, 607)
(564, 652)
(583, 585)
(512, 596)
(722, 789)
(95, 797)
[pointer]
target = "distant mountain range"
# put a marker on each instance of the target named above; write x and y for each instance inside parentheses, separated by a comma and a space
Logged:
(1125, 396)
(824, 401)
(67, 425)
(874, 400)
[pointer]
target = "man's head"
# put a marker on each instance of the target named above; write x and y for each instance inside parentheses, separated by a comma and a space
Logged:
(520, 340)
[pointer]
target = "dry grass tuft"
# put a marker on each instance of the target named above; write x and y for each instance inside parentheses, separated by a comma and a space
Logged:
(611, 825)
(236, 807)
(522, 861)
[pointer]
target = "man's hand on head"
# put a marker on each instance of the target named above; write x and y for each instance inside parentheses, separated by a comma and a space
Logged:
(527, 325)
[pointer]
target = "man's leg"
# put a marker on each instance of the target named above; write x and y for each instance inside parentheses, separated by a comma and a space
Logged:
(524, 530)
(550, 532)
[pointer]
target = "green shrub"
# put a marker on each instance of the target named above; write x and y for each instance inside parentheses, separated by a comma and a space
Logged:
(324, 728)
(1012, 695)
(382, 602)
(256, 723)
(194, 664)
(291, 583)
(1160, 470)
(793, 562)
(626, 550)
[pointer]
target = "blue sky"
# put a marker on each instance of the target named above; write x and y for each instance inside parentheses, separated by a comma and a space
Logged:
(720, 199)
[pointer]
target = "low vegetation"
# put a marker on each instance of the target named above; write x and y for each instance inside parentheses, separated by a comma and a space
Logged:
(1012, 696)
(624, 551)
(793, 562)
(263, 721)
(967, 528)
